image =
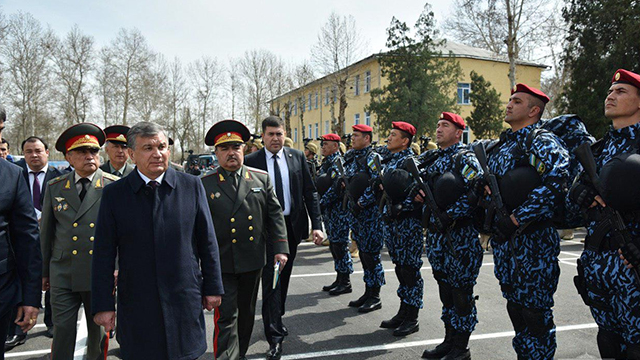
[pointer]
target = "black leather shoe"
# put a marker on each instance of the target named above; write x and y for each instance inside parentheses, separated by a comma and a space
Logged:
(373, 302)
(49, 332)
(458, 354)
(14, 341)
(409, 324)
(332, 285)
(397, 319)
(243, 357)
(275, 352)
(344, 285)
(360, 301)
(285, 331)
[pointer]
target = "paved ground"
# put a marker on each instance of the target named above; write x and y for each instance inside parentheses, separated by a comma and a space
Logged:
(322, 326)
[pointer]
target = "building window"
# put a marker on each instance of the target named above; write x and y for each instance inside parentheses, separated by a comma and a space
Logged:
(317, 128)
(326, 127)
(463, 93)
(310, 101)
(367, 81)
(335, 94)
(356, 119)
(356, 85)
(295, 135)
(316, 99)
(295, 107)
(367, 118)
(465, 135)
(310, 130)
(326, 96)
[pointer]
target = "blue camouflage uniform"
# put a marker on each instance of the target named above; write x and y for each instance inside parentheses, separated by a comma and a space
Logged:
(527, 265)
(367, 225)
(336, 219)
(456, 270)
(612, 289)
(404, 240)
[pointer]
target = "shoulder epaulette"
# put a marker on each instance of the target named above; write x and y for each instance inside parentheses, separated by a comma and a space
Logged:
(56, 180)
(109, 176)
(257, 171)
(210, 174)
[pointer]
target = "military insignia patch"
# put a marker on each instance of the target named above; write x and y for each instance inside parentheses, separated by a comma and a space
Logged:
(67, 185)
(221, 177)
(617, 76)
(246, 175)
(59, 199)
(98, 184)
(65, 207)
(59, 208)
(372, 165)
(212, 196)
(217, 195)
(537, 164)
(468, 172)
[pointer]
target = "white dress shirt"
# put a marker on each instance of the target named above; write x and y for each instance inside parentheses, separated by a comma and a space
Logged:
(77, 181)
(147, 180)
(284, 172)
(40, 178)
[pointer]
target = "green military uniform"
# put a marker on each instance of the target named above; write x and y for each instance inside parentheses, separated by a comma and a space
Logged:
(126, 169)
(245, 220)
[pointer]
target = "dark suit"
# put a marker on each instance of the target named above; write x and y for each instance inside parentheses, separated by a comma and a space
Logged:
(20, 257)
(168, 258)
(51, 174)
(246, 220)
(304, 205)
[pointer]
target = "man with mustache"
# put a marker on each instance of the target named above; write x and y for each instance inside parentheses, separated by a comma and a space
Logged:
(67, 231)
(251, 233)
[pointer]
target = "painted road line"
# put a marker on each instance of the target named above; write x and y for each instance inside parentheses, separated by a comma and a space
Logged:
(81, 337)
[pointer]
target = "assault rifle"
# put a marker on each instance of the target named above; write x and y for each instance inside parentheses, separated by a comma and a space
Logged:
(385, 197)
(611, 218)
(342, 177)
(430, 200)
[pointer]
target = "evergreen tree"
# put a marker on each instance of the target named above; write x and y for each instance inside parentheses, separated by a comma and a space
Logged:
(421, 80)
(488, 114)
(603, 36)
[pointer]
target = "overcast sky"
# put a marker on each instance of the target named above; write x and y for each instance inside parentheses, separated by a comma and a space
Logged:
(190, 29)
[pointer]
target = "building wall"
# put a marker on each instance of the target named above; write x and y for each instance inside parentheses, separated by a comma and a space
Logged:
(494, 72)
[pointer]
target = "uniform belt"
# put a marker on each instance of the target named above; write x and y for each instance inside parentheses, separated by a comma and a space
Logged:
(464, 222)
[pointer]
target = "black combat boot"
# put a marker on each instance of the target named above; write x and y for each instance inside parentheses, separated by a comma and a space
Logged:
(444, 348)
(361, 299)
(460, 350)
(397, 319)
(373, 302)
(409, 324)
(344, 285)
(332, 285)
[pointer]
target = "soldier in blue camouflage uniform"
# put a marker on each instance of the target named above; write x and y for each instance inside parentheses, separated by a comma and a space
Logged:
(453, 246)
(335, 217)
(366, 228)
(402, 231)
(608, 279)
(525, 243)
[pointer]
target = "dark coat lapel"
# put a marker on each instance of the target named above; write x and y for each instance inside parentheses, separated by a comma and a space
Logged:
(244, 186)
(225, 185)
(93, 194)
(69, 191)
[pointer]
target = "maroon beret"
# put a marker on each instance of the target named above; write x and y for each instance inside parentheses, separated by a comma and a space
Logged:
(627, 77)
(404, 126)
(331, 137)
(362, 128)
(529, 90)
(454, 118)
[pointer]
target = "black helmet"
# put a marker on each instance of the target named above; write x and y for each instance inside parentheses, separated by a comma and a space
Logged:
(448, 188)
(516, 185)
(323, 183)
(358, 184)
(619, 179)
(397, 184)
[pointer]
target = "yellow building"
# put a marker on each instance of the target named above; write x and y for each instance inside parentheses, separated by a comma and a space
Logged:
(311, 105)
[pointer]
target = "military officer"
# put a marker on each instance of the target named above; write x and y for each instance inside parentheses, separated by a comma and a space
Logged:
(366, 226)
(533, 169)
(311, 153)
(608, 268)
(335, 216)
(453, 246)
(249, 223)
(67, 229)
(116, 149)
(402, 230)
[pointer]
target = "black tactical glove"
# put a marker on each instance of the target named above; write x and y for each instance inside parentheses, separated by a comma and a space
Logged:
(506, 228)
(394, 211)
(583, 194)
(631, 253)
(355, 207)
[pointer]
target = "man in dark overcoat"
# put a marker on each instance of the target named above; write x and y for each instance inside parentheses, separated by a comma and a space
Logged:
(158, 223)
(248, 220)
(20, 257)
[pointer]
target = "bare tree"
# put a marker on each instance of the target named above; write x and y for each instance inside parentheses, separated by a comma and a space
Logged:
(74, 62)
(339, 45)
(255, 68)
(130, 58)
(152, 91)
(28, 79)
(206, 77)
(510, 28)
(234, 84)
(106, 89)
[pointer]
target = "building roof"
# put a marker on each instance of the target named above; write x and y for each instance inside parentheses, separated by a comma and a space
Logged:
(459, 51)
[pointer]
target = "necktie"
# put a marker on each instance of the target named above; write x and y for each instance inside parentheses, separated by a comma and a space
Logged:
(35, 191)
(234, 181)
(153, 184)
(278, 176)
(85, 184)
